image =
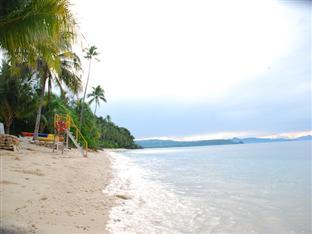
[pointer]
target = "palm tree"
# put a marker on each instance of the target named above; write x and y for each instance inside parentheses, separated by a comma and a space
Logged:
(97, 95)
(37, 32)
(23, 24)
(69, 67)
(90, 54)
(108, 118)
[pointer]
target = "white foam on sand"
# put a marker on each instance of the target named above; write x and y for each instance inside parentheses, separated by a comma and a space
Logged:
(147, 206)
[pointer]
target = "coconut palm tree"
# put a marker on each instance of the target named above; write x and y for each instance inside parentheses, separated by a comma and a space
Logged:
(67, 76)
(38, 32)
(108, 118)
(91, 53)
(23, 24)
(97, 95)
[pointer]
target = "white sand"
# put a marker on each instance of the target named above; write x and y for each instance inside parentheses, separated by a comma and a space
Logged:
(45, 192)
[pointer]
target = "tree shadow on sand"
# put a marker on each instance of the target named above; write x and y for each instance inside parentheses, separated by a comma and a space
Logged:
(14, 230)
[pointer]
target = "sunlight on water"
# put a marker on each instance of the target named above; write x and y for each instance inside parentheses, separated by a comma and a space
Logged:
(254, 188)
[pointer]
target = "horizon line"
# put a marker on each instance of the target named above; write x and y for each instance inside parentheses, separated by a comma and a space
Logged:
(230, 135)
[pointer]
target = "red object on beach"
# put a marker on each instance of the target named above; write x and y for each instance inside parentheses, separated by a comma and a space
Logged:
(61, 126)
(27, 134)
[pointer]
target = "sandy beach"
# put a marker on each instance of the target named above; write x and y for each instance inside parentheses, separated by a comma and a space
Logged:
(46, 192)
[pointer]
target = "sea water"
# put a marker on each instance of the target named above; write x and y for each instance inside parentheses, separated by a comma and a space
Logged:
(245, 188)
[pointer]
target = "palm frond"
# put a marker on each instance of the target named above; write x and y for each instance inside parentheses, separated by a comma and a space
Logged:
(92, 100)
(103, 99)
(25, 24)
(71, 80)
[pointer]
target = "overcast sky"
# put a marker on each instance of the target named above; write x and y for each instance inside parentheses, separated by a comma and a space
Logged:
(193, 69)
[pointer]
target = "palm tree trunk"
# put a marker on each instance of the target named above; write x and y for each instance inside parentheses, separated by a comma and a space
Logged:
(84, 96)
(37, 125)
(49, 89)
(8, 117)
(7, 128)
(8, 123)
(95, 108)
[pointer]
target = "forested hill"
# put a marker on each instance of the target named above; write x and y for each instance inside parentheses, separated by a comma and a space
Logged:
(113, 136)
(157, 143)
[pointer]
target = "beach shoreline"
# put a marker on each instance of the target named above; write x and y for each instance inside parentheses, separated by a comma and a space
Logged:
(46, 192)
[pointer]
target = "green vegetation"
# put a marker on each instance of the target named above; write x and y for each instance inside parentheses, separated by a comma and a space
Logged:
(36, 38)
(15, 96)
(97, 95)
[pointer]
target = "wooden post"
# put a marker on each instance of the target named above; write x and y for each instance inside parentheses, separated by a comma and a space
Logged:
(54, 128)
(67, 140)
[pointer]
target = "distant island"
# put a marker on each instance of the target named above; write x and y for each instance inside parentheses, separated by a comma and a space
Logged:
(268, 140)
(158, 143)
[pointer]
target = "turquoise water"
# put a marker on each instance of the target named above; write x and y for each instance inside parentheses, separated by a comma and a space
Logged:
(249, 188)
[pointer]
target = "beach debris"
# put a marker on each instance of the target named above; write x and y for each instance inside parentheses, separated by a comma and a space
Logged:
(84, 227)
(124, 197)
(9, 142)
(7, 182)
(69, 213)
(30, 149)
(19, 208)
(31, 172)
(43, 198)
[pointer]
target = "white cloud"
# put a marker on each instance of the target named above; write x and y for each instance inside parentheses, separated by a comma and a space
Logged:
(181, 49)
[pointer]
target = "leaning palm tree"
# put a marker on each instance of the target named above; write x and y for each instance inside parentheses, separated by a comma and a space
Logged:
(97, 95)
(67, 76)
(90, 54)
